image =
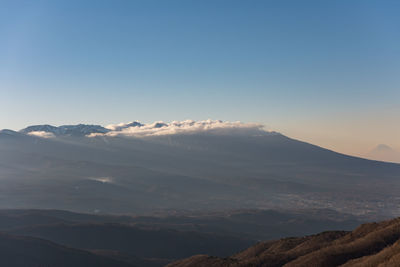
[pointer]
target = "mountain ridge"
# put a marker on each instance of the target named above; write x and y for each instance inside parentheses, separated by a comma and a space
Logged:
(69, 130)
(190, 166)
(22, 251)
(370, 244)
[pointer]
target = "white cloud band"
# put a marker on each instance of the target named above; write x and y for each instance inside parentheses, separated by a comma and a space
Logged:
(42, 134)
(136, 129)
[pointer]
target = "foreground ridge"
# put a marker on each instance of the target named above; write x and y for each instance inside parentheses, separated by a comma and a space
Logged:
(372, 244)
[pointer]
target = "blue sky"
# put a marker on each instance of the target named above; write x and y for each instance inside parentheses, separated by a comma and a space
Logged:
(322, 71)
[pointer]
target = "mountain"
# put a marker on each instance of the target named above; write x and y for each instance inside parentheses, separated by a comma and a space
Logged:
(256, 224)
(63, 238)
(373, 244)
(19, 251)
(248, 224)
(187, 166)
(122, 126)
(40, 128)
(69, 130)
(384, 152)
(9, 133)
(140, 242)
(382, 148)
(158, 240)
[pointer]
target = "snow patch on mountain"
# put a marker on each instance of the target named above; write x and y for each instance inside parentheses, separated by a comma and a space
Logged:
(68, 130)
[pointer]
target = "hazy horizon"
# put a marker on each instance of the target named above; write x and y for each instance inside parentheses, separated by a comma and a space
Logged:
(325, 73)
(381, 151)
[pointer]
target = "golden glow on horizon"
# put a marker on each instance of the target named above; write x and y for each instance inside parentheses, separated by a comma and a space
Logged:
(352, 134)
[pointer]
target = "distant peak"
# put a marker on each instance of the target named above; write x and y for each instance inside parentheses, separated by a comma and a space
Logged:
(383, 148)
(67, 130)
(9, 132)
(384, 152)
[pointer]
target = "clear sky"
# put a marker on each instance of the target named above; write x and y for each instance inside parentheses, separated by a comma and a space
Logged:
(327, 72)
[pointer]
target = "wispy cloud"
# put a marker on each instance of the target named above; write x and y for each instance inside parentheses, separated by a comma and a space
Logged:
(108, 180)
(136, 129)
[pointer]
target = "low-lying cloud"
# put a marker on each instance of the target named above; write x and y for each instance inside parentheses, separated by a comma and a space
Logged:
(42, 134)
(137, 129)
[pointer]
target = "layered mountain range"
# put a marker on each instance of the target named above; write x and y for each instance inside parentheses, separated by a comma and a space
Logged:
(63, 238)
(186, 188)
(185, 166)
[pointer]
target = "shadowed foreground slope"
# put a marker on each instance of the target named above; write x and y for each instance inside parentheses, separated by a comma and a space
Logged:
(373, 244)
(16, 251)
(144, 243)
(155, 241)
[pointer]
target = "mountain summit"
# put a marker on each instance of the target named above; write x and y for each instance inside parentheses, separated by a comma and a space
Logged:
(385, 153)
(70, 130)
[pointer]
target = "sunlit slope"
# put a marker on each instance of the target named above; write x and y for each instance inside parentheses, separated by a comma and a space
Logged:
(374, 244)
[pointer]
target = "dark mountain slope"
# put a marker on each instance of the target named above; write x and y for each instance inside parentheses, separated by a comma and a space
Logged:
(251, 224)
(189, 171)
(16, 251)
(158, 240)
(368, 245)
(144, 243)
